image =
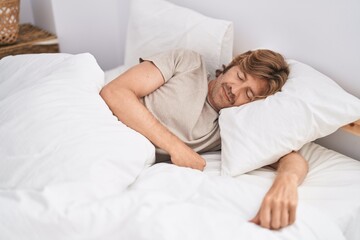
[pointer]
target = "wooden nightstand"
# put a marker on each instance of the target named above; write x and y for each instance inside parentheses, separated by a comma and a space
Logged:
(31, 39)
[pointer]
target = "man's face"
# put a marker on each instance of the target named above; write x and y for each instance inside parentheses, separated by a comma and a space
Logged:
(235, 88)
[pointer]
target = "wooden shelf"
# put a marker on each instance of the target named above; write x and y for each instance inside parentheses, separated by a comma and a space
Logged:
(31, 39)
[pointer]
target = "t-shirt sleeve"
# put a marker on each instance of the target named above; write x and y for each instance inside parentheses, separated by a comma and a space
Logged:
(171, 63)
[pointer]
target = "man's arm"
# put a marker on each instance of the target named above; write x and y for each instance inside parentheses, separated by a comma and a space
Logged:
(123, 95)
(278, 208)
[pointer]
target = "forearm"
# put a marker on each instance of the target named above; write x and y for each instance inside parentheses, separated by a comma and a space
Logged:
(278, 208)
(127, 107)
(292, 167)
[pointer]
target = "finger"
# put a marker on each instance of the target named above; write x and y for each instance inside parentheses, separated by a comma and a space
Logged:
(265, 216)
(200, 168)
(285, 221)
(275, 220)
(256, 219)
(292, 213)
(199, 165)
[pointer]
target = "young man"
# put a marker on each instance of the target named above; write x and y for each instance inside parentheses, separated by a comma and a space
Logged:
(169, 99)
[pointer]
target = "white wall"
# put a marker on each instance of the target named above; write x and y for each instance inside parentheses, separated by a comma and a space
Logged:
(323, 33)
(44, 15)
(26, 13)
(92, 26)
(95, 26)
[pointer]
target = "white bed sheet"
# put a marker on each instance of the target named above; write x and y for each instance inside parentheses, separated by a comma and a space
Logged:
(169, 202)
(332, 185)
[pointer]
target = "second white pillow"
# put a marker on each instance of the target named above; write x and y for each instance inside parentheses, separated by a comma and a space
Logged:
(310, 106)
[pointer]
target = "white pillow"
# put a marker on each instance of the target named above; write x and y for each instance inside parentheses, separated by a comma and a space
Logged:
(157, 25)
(111, 74)
(310, 106)
(58, 134)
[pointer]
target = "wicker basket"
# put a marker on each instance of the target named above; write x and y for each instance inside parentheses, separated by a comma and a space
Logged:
(9, 21)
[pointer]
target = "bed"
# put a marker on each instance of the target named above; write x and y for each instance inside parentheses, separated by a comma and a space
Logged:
(70, 170)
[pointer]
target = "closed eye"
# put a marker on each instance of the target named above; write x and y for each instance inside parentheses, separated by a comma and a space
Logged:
(250, 94)
(240, 77)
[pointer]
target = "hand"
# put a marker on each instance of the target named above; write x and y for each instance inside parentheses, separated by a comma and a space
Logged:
(184, 156)
(278, 208)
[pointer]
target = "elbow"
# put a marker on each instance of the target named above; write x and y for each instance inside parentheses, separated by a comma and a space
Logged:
(107, 94)
(117, 98)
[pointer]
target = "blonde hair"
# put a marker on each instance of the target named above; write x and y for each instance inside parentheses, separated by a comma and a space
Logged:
(264, 64)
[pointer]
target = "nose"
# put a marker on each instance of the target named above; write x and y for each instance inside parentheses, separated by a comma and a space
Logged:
(232, 96)
(236, 87)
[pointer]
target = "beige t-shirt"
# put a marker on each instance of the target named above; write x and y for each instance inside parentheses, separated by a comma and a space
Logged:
(181, 103)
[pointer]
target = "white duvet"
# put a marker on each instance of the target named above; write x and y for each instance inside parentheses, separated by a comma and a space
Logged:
(70, 170)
